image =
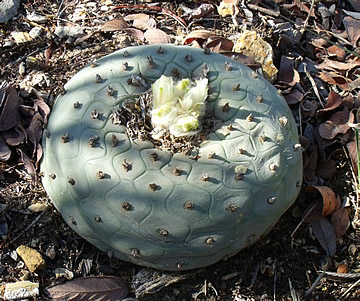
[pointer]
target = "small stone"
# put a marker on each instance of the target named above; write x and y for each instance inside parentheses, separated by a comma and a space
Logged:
(250, 117)
(32, 258)
(37, 207)
(22, 69)
(21, 290)
(35, 32)
(69, 31)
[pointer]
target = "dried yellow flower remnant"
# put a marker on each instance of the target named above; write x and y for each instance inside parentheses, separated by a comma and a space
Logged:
(252, 45)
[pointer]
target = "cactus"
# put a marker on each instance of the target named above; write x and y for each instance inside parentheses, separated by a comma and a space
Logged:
(168, 209)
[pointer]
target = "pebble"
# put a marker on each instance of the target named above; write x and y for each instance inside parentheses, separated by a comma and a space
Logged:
(37, 207)
(8, 9)
(34, 17)
(21, 290)
(32, 258)
(35, 32)
(20, 37)
(22, 68)
(69, 31)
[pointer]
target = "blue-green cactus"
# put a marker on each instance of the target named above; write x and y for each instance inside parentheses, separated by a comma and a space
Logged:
(159, 209)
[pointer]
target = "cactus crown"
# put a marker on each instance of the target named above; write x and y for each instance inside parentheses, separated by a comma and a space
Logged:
(177, 106)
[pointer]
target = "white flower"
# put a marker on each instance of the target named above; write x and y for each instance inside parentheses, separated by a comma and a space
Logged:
(184, 125)
(163, 91)
(178, 106)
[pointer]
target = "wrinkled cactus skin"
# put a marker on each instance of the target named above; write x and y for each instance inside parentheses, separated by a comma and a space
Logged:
(248, 173)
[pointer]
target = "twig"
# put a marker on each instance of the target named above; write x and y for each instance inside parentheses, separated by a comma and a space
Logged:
(350, 288)
(309, 14)
(340, 276)
(312, 288)
(30, 226)
(316, 91)
(264, 10)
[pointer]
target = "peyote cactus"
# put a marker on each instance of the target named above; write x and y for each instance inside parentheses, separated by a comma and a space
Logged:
(144, 197)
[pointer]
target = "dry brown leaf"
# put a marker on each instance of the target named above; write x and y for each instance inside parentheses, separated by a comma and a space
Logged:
(294, 97)
(325, 234)
(336, 124)
(299, 7)
(5, 151)
(336, 65)
(28, 164)
(310, 168)
(220, 44)
(199, 34)
(89, 288)
(334, 78)
(351, 146)
(115, 25)
(139, 16)
(333, 102)
(203, 10)
(156, 36)
(352, 29)
(14, 136)
(326, 194)
(336, 51)
(9, 116)
(143, 25)
(135, 33)
(340, 221)
(326, 168)
(287, 72)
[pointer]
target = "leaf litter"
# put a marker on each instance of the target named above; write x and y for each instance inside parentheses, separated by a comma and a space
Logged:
(315, 50)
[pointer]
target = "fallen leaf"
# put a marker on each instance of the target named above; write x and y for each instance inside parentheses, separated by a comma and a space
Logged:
(294, 97)
(326, 194)
(334, 78)
(13, 137)
(143, 25)
(326, 168)
(355, 4)
(156, 36)
(220, 44)
(336, 124)
(340, 221)
(29, 166)
(41, 106)
(299, 7)
(9, 116)
(199, 34)
(333, 102)
(5, 151)
(287, 72)
(310, 168)
(203, 10)
(89, 288)
(336, 51)
(140, 16)
(135, 33)
(351, 146)
(325, 234)
(329, 64)
(352, 28)
(115, 25)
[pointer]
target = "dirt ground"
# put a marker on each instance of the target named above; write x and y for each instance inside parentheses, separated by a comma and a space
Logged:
(313, 251)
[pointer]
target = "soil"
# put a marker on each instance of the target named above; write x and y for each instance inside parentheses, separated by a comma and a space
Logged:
(290, 263)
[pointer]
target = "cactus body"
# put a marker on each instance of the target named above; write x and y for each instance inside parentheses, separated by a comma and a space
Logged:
(162, 210)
